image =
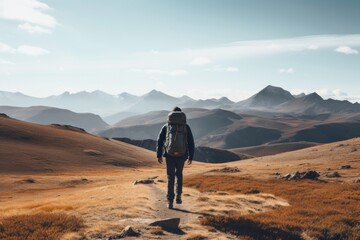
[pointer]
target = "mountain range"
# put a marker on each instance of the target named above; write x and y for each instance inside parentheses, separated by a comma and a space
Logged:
(245, 133)
(273, 120)
(113, 108)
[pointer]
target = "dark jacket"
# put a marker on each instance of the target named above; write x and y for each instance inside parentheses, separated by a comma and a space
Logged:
(161, 140)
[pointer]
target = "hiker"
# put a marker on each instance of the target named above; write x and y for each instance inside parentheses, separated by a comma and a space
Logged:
(176, 144)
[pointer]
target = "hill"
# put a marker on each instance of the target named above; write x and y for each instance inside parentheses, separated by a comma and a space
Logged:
(32, 148)
(48, 115)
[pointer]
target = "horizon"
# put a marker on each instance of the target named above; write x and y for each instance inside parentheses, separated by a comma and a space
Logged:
(203, 49)
(176, 96)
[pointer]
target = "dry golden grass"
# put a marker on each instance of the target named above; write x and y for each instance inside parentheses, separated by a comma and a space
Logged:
(157, 232)
(196, 236)
(46, 226)
(320, 210)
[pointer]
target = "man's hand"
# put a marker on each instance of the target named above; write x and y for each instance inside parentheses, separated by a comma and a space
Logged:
(189, 162)
(160, 160)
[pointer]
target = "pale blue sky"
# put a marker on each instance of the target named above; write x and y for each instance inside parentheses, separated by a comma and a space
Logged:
(203, 48)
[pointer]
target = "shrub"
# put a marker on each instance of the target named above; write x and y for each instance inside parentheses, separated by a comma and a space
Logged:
(39, 226)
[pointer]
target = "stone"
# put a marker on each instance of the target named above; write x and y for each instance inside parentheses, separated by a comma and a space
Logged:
(227, 170)
(310, 175)
(144, 181)
(168, 223)
(356, 180)
(292, 176)
(345, 167)
(128, 231)
(333, 175)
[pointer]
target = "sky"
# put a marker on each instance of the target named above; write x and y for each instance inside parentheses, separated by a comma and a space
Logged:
(203, 48)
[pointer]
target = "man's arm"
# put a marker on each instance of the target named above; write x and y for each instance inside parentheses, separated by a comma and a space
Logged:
(191, 144)
(160, 143)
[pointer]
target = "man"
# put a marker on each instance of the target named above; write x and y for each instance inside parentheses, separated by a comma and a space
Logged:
(176, 144)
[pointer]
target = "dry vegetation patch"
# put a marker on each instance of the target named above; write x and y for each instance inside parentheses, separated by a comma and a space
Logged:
(39, 226)
(319, 210)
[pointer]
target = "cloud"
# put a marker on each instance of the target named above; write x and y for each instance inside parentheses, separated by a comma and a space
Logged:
(286, 70)
(200, 61)
(175, 72)
(346, 50)
(23, 49)
(6, 62)
(332, 93)
(245, 49)
(30, 12)
(219, 68)
(30, 50)
(313, 47)
(33, 28)
(4, 48)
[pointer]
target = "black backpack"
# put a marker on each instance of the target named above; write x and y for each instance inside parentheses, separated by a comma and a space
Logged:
(176, 134)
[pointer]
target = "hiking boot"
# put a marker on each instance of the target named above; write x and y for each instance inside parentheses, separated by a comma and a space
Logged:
(170, 204)
(178, 199)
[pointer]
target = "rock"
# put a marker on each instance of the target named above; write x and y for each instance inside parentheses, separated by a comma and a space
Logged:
(226, 170)
(29, 180)
(93, 152)
(168, 223)
(333, 175)
(356, 180)
(292, 176)
(312, 175)
(128, 231)
(145, 181)
(3, 115)
(345, 167)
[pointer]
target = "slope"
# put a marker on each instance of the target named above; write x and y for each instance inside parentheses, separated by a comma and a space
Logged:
(27, 147)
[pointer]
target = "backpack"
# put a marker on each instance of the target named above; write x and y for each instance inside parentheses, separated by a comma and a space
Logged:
(176, 134)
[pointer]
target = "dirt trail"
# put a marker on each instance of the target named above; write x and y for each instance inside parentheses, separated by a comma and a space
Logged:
(189, 218)
(158, 197)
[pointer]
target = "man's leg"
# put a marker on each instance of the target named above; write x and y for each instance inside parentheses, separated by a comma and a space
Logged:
(179, 179)
(170, 170)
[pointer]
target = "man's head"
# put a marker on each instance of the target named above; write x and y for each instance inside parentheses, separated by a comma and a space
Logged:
(177, 109)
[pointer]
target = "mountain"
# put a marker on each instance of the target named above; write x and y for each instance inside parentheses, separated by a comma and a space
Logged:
(204, 123)
(33, 148)
(269, 97)
(154, 100)
(114, 118)
(223, 129)
(115, 107)
(47, 115)
(315, 104)
(268, 102)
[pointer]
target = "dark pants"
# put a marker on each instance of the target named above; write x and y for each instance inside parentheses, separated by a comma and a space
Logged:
(174, 167)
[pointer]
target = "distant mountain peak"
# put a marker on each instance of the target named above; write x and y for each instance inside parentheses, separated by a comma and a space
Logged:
(225, 100)
(313, 97)
(156, 94)
(273, 89)
(186, 98)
